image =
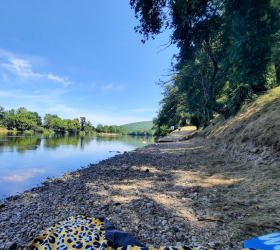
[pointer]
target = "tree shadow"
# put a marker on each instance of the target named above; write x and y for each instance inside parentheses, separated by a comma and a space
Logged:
(158, 193)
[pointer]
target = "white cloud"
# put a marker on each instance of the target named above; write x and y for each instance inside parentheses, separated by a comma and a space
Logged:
(63, 80)
(23, 69)
(111, 87)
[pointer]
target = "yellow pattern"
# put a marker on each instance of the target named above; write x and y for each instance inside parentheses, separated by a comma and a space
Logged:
(84, 233)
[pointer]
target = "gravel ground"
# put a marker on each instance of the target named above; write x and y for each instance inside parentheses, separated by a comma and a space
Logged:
(156, 193)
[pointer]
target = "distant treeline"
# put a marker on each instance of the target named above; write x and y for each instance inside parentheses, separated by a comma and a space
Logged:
(23, 120)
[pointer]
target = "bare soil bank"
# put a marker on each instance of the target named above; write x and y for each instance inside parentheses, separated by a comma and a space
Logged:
(253, 135)
(157, 193)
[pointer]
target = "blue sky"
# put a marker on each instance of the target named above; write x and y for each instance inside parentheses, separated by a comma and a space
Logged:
(79, 58)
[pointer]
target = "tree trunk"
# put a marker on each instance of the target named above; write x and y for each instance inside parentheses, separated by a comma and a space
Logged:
(277, 70)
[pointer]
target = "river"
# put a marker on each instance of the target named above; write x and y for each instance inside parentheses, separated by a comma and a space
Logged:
(26, 161)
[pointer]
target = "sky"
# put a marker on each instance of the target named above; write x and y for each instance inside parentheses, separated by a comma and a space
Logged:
(80, 58)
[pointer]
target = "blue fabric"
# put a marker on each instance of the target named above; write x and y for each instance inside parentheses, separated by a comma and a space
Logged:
(266, 242)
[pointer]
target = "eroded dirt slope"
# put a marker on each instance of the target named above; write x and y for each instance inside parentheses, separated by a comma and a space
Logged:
(253, 135)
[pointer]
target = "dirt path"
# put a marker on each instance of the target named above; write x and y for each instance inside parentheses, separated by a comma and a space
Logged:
(157, 193)
(178, 135)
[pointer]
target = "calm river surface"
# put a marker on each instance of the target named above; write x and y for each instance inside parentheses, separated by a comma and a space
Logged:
(26, 161)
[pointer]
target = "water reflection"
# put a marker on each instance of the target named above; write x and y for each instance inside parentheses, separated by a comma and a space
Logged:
(19, 143)
(26, 161)
(23, 176)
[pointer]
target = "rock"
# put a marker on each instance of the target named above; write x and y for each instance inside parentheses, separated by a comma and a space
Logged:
(193, 239)
(147, 170)
(149, 205)
(213, 243)
(12, 246)
(166, 228)
(175, 229)
(164, 222)
(178, 236)
(169, 234)
(254, 150)
(225, 208)
(199, 212)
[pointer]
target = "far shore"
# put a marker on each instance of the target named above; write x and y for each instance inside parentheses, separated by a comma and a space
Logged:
(4, 130)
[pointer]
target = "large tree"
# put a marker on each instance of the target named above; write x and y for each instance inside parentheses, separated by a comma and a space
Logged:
(235, 39)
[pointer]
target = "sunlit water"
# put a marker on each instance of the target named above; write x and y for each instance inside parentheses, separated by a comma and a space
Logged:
(26, 161)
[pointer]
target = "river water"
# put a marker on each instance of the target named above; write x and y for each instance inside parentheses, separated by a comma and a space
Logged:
(26, 161)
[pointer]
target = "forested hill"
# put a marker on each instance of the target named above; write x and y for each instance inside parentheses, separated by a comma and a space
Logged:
(146, 125)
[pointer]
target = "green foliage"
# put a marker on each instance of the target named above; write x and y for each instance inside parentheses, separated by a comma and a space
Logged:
(39, 129)
(228, 53)
(83, 122)
(146, 125)
(141, 132)
(30, 122)
(140, 128)
(2, 114)
(172, 111)
(111, 129)
(47, 120)
(162, 130)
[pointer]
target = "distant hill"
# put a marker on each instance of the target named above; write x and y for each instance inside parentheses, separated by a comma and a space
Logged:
(147, 125)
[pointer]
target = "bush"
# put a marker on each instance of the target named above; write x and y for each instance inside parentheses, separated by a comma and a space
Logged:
(39, 129)
(162, 131)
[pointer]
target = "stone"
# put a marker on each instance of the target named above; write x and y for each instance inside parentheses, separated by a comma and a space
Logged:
(175, 229)
(213, 243)
(166, 228)
(149, 205)
(12, 246)
(225, 208)
(193, 239)
(164, 222)
(178, 236)
(200, 212)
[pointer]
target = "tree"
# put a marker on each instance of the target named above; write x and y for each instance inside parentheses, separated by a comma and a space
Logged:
(233, 41)
(24, 120)
(83, 121)
(88, 127)
(99, 128)
(38, 119)
(47, 120)
(57, 124)
(2, 114)
(21, 109)
(9, 121)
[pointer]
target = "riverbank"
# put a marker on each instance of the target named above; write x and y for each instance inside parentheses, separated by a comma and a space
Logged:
(156, 193)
